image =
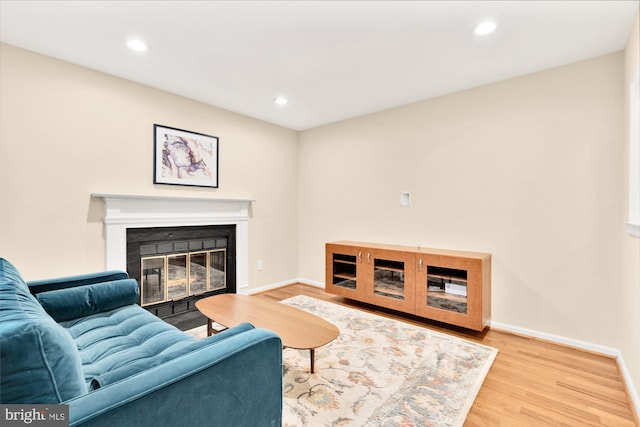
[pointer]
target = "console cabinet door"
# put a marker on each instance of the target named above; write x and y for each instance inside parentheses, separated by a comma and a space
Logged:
(390, 277)
(343, 271)
(449, 289)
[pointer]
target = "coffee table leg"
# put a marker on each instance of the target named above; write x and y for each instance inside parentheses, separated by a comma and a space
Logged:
(209, 328)
(312, 353)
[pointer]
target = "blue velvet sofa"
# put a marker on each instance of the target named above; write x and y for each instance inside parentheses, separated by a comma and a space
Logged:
(83, 341)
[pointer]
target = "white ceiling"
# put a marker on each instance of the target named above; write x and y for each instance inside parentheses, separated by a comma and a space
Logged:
(333, 60)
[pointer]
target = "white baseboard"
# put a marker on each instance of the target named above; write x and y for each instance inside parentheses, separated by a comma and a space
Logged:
(312, 283)
(583, 345)
(633, 393)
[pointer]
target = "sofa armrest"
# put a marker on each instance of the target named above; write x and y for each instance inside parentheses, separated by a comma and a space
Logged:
(37, 286)
(235, 382)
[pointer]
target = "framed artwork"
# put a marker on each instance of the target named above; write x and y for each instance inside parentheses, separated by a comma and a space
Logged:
(182, 157)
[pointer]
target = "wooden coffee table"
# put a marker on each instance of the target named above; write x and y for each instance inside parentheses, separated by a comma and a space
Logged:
(297, 329)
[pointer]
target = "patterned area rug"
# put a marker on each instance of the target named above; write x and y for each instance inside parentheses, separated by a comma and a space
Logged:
(381, 372)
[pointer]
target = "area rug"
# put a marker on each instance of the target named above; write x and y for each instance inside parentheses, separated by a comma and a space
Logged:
(381, 372)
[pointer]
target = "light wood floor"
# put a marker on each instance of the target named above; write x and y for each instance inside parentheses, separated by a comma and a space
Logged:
(531, 382)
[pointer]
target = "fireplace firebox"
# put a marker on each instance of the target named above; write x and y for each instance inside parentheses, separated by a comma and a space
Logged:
(176, 266)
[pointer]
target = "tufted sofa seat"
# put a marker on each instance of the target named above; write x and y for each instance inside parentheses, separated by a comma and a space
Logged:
(84, 342)
(116, 344)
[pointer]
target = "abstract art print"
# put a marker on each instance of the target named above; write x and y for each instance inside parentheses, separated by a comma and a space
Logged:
(182, 157)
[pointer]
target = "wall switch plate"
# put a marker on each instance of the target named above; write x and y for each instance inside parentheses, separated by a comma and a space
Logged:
(260, 265)
(405, 198)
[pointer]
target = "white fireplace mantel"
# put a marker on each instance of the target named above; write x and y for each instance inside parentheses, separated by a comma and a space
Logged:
(123, 211)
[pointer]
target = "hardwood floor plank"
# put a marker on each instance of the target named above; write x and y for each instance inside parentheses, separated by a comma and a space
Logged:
(532, 382)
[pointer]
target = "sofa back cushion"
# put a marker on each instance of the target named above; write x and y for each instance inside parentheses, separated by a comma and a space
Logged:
(82, 301)
(39, 361)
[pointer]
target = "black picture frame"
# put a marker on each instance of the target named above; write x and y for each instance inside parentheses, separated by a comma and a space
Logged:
(183, 157)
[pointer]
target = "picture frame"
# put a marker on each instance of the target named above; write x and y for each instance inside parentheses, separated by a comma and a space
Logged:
(183, 157)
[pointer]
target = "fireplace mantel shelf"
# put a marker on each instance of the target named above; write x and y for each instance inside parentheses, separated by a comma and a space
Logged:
(168, 198)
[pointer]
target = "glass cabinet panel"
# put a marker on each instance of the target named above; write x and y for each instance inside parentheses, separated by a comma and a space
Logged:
(388, 278)
(344, 271)
(447, 289)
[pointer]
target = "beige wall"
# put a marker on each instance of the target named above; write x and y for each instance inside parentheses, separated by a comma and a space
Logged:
(67, 131)
(529, 169)
(630, 322)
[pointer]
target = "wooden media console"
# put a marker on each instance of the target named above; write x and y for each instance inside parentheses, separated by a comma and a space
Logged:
(444, 285)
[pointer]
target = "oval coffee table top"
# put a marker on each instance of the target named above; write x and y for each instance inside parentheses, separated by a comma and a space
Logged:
(297, 329)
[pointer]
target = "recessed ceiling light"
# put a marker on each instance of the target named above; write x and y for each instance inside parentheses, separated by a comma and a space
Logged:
(485, 28)
(280, 100)
(138, 45)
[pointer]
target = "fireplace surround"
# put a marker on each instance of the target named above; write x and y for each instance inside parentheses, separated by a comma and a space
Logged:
(125, 212)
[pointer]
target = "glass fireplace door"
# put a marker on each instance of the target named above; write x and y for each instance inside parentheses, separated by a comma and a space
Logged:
(176, 276)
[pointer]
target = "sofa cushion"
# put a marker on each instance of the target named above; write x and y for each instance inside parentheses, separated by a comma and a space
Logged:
(51, 284)
(127, 336)
(81, 301)
(142, 364)
(38, 358)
